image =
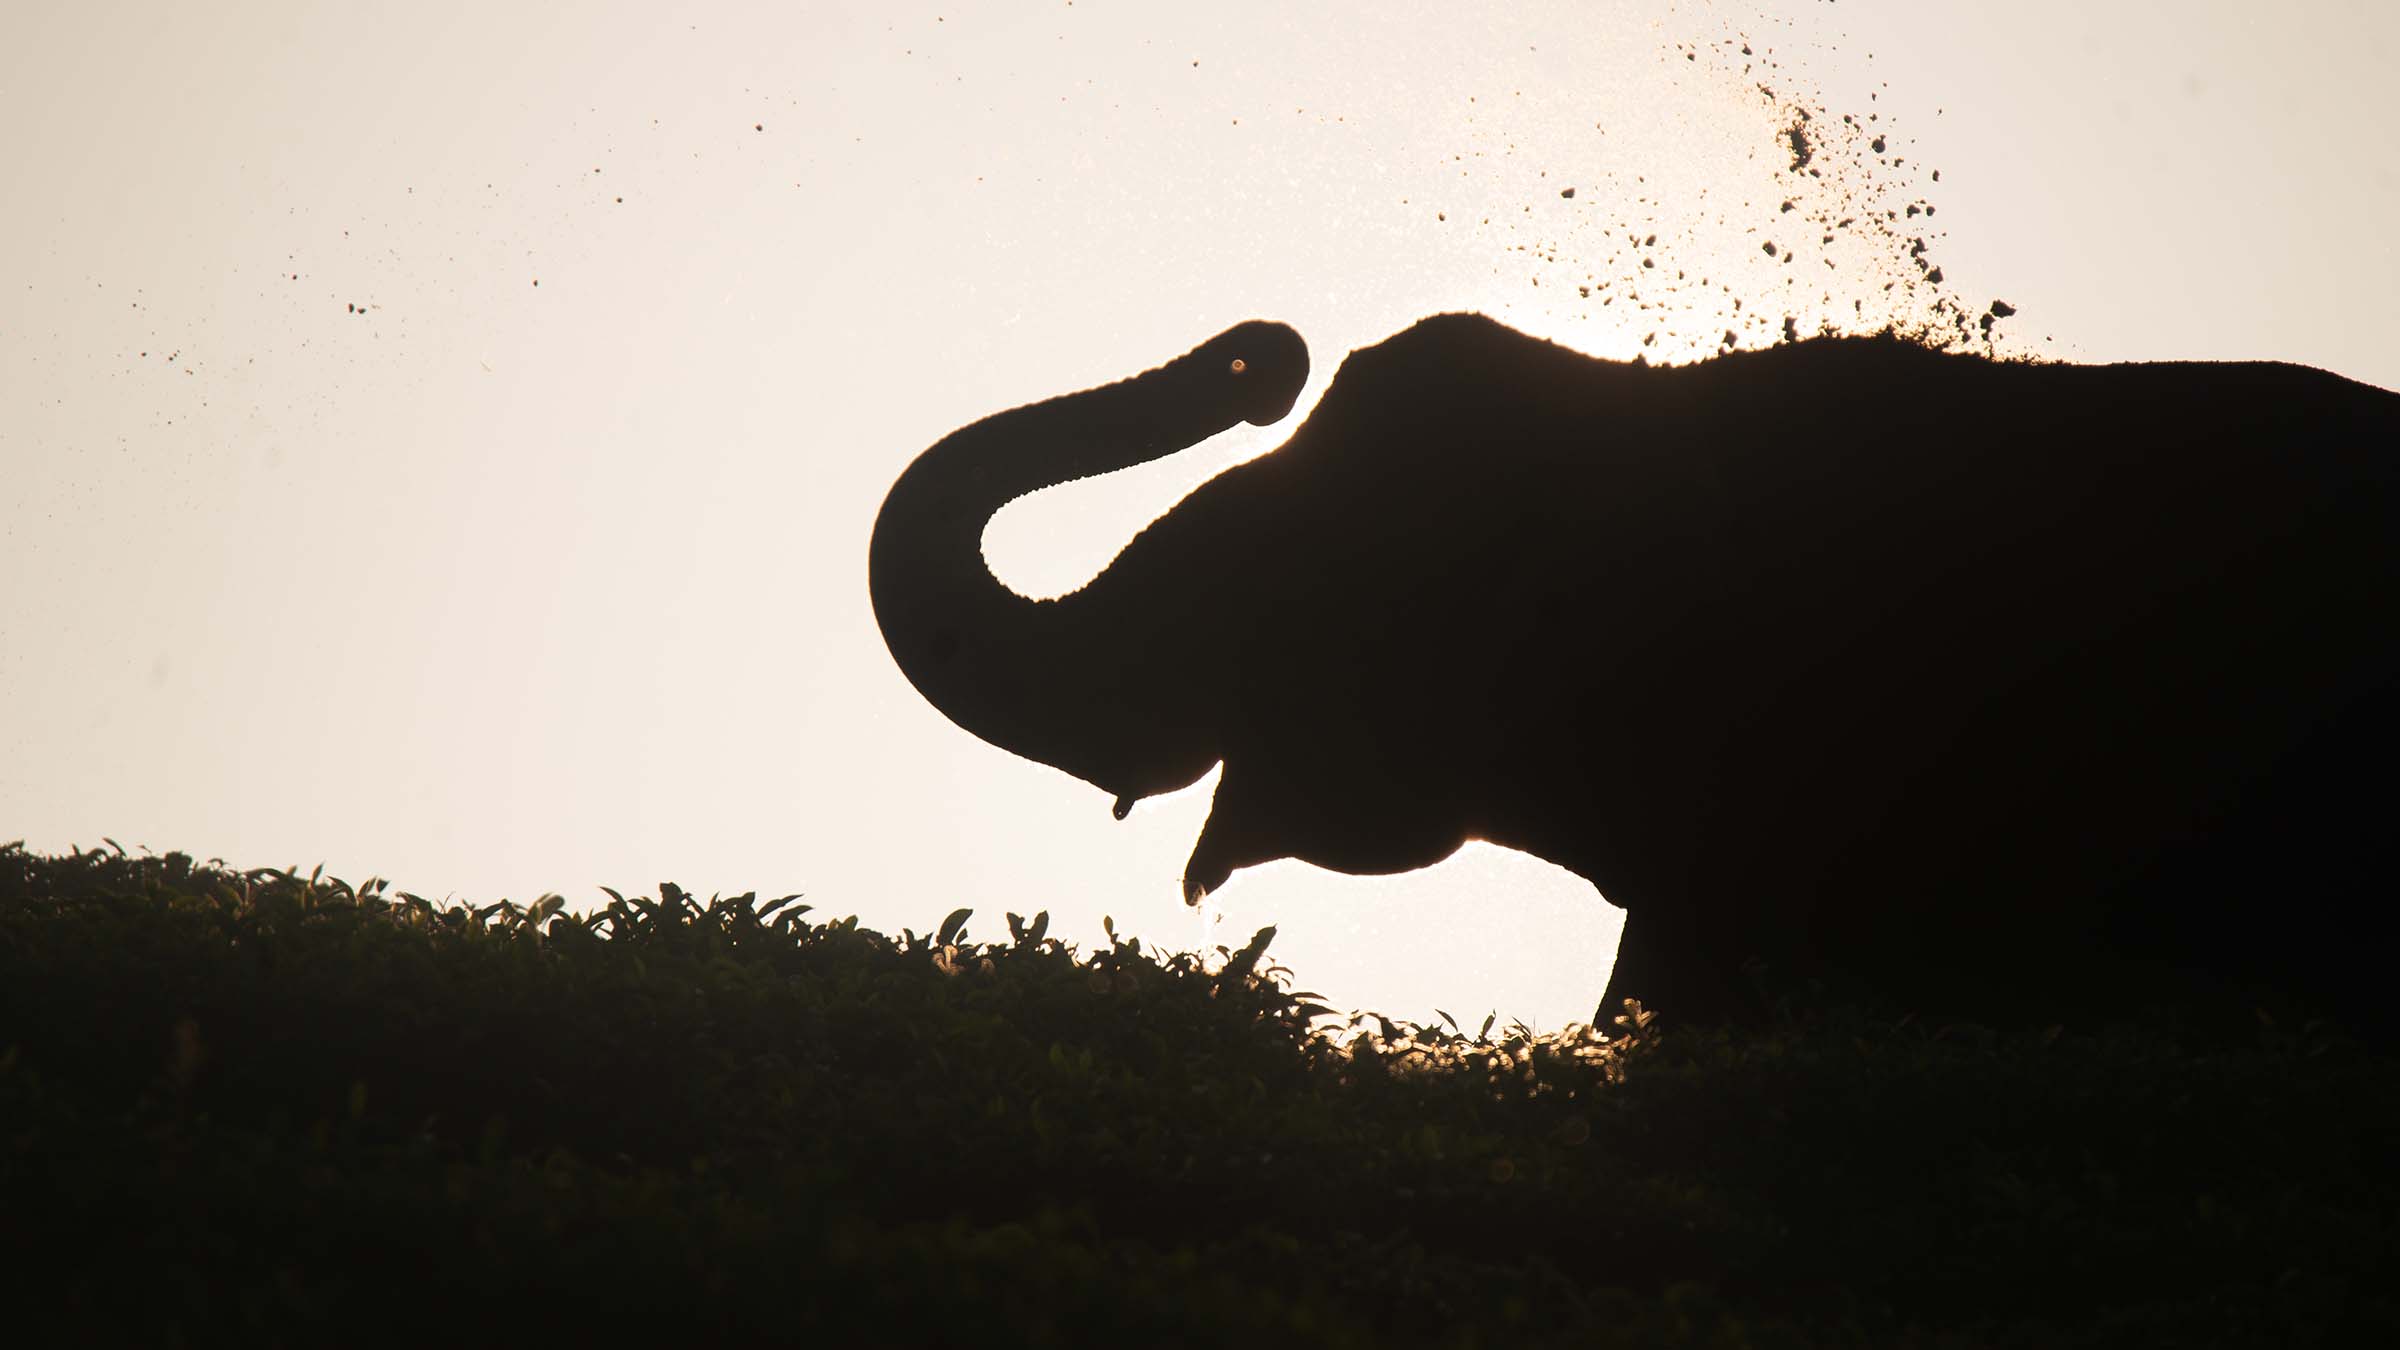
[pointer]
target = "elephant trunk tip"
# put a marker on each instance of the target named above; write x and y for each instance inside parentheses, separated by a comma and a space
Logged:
(1270, 360)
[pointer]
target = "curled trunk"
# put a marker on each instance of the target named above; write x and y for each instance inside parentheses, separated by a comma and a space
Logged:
(1064, 681)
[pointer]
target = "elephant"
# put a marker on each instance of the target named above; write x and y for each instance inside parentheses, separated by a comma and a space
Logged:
(2000, 690)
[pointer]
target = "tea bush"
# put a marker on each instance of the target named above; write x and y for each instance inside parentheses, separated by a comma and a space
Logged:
(281, 1109)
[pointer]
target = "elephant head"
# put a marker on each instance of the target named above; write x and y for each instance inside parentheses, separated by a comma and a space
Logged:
(2024, 669)
(1318, 620)
(1068, 681)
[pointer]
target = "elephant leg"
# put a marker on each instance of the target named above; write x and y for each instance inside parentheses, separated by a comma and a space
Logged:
(1665, 959)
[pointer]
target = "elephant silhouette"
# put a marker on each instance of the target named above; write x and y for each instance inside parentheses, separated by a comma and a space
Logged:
(2005, 690)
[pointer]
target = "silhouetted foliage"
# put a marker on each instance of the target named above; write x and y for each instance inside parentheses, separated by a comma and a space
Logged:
(279, 1108)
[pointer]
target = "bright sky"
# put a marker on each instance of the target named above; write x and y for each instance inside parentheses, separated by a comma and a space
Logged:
(441, 440)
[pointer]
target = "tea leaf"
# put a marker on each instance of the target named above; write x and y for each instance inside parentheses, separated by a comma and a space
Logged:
(952, 927)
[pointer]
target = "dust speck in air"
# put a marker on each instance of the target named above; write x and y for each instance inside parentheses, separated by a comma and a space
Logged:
(1777, 218)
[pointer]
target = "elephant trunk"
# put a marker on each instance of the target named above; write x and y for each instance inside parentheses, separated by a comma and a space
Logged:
(1060, 681)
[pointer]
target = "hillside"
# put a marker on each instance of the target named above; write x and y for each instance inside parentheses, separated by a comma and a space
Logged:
(283, 1109)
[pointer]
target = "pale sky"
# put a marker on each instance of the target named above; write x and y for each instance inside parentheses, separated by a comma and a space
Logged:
(330, 535)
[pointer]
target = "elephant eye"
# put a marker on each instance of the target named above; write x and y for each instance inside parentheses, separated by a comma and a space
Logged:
(1240, 365)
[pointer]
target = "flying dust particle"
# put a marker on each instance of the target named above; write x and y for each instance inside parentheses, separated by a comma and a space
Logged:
(1845, 173)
